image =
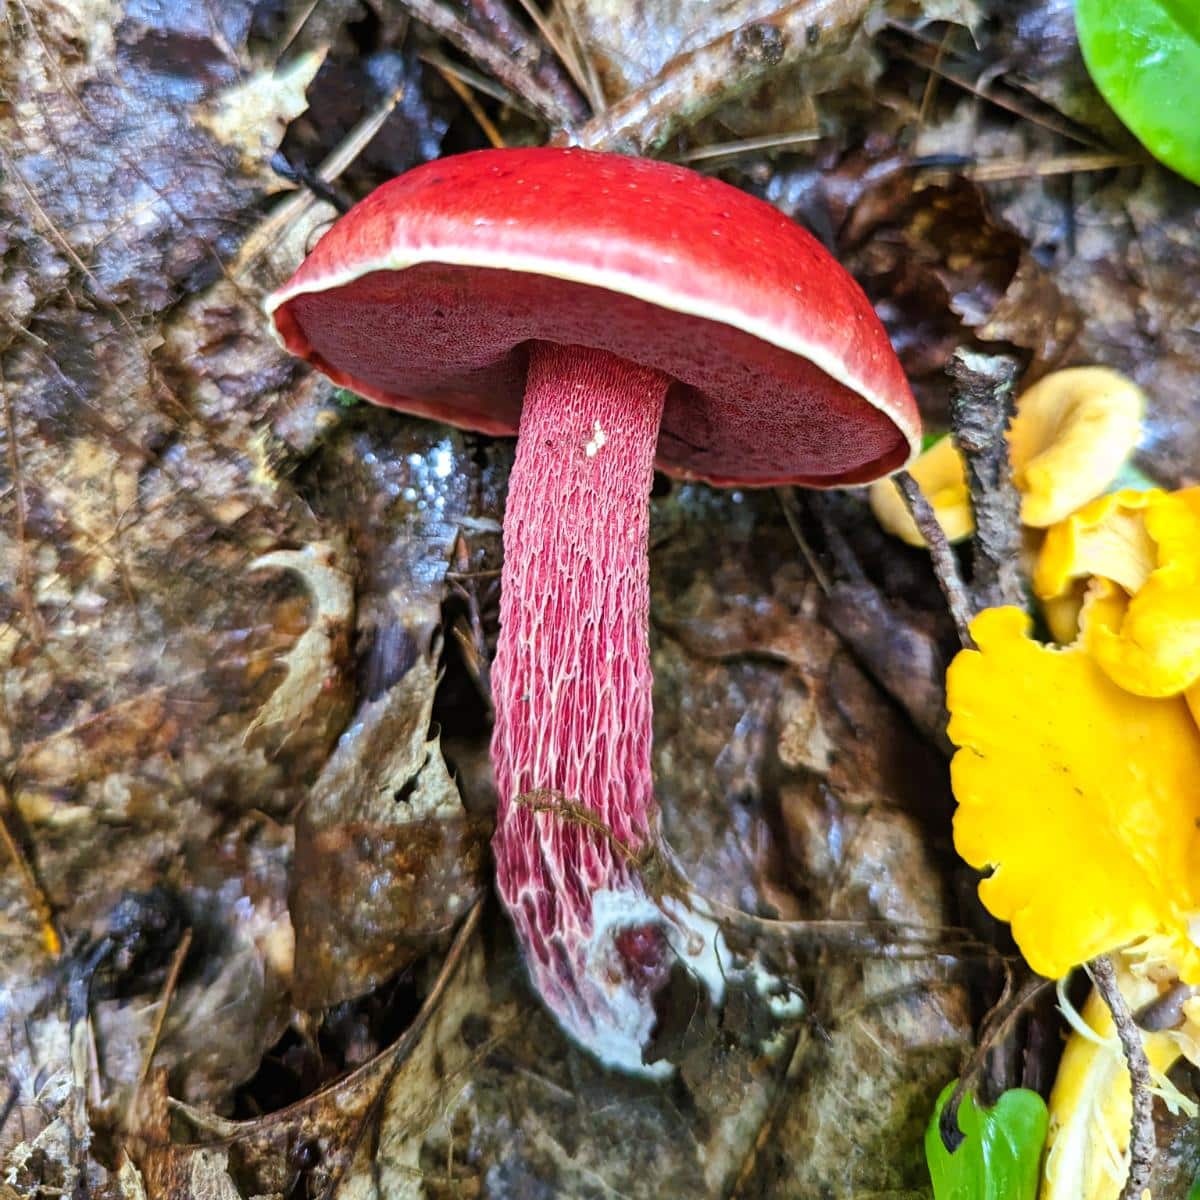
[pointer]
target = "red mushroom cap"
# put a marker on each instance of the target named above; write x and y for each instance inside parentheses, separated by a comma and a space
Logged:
(426, 295)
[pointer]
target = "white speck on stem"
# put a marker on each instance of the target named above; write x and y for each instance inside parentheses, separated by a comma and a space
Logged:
(599, 438)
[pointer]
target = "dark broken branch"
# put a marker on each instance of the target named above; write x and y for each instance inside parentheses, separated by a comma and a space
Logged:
(980, 411)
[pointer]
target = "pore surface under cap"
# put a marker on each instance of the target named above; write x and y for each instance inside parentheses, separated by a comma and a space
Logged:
(426, 296)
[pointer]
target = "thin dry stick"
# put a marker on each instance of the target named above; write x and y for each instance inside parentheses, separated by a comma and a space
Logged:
(768, 141)
(945, 565)
(925, 54)
(664, 876)
(787, 501)
(269, 230)
(475, 80)
(33, 890)
(1002, 169)
(931, 81)
(952, 1136)
(497, 21)
(296, 28)
(164, 1003)
(561, 51)
(692, 85)
(1142, 1143)
(488, 54)
(473, 106)
(980, 410)
(593, 89)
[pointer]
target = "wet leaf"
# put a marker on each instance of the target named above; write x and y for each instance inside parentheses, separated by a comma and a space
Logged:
(950, 273)
(387, 859)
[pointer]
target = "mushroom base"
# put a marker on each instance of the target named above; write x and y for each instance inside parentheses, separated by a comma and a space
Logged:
(572, 688)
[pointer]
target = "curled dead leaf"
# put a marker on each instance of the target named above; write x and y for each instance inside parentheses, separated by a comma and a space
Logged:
(314, 683)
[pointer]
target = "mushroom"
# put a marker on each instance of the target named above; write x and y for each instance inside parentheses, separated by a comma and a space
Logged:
(613, 313)
(1071, 435)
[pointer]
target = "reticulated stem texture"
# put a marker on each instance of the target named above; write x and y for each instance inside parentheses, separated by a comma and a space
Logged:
(571, 679)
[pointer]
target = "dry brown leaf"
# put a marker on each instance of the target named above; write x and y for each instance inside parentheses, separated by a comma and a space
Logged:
(387, 859)
(316, 685)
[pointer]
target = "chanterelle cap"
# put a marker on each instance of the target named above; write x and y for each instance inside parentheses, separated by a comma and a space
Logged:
(426, 296)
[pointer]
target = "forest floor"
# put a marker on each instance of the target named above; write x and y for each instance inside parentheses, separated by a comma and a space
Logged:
(226, 967)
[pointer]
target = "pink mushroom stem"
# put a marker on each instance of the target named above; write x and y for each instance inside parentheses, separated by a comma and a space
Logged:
(572, 679)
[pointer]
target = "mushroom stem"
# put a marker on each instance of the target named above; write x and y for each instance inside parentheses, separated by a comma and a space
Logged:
(572, 686)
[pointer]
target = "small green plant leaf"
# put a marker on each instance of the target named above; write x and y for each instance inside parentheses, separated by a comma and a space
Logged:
(1001, 1149)
(1144, 56)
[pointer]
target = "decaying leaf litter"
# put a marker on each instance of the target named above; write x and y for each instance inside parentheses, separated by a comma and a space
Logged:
(215, 565)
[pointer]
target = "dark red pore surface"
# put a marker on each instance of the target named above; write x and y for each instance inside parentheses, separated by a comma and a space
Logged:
(451, 343)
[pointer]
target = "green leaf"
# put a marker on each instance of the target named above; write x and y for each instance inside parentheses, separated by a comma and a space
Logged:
(1144, 56)
(1194, 1193)
(929, 440)
(1001, 1151)
(344, 398)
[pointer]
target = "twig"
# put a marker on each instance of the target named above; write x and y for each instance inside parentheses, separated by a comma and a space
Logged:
(492, 56)
(787, 501)
(1142, 1143)
(593, 89)
(476, 80)
(752, 145)
(965, 74)
(295, 29)
(664, 876)
(1001, 169)
(945, 565)
(33, 890)
(980, 411)
(464, 93)
(164, 1003)
(402, 1048)
(496, 21)
(468, 631)
(264, 235)
(692, 85)
(564, 55)
(952, 1136)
